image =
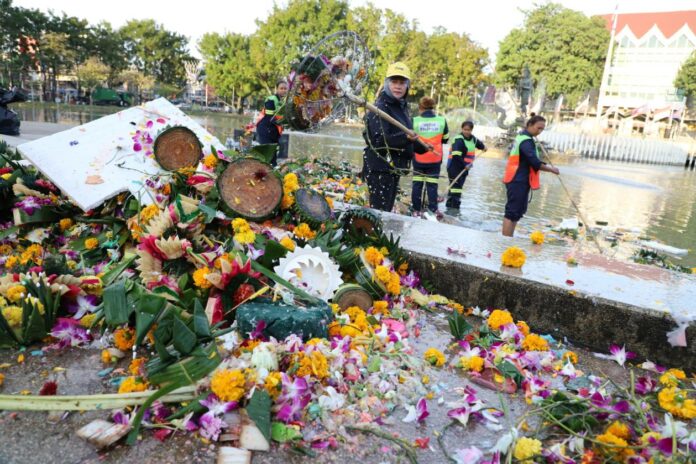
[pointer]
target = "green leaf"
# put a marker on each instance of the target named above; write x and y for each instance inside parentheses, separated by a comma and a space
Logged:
(374, 364)
(509, 370)
(200, 320)
(458, 325)
(114, 271)
(183, 281)
(33, 326)
(209, 213)
(259, 410)
(273, 252)
(149, 308)
(116, 310)
(284, 433)
(184, 338)
(264, 152)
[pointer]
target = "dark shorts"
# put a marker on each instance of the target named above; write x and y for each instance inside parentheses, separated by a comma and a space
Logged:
(517, 200)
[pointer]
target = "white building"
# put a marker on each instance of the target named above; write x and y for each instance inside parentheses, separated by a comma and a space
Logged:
(647, 51)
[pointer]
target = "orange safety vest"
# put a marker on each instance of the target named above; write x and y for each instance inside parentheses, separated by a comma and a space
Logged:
(431, 130)
(513, 163)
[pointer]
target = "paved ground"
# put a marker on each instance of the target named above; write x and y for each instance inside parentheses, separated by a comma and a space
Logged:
(31, 130)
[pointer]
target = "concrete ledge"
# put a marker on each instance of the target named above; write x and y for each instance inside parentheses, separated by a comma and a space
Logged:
(589, 321)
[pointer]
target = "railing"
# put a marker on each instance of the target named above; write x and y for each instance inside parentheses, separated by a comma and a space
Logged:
(618, 148)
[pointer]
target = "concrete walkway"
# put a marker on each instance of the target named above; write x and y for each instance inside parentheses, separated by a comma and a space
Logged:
(30, 130)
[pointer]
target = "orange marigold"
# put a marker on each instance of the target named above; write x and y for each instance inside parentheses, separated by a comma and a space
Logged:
(124, 338)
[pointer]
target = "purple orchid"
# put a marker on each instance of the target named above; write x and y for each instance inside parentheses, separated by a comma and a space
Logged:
(411, 280)
(211, 427)
(292, 388)
(82, 305)
(620, 355)
(160, 411)
(422, 410)
(645, 385)
(257, 333)
(30, 204)
(217, 407)
(69, 333)
(255, 254)
(121, 418)
(292, 410)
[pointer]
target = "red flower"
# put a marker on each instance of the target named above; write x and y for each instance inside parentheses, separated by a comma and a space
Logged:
(242, 293)
(50, 388)
(422, 443)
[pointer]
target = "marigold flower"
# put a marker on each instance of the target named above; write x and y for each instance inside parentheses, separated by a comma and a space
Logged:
(65, 224)
(2, 379)
(304, 232)
(11, 262)
(526, 449)
(273, 384)
(288, 243)
(199, 278)
(91, 243)
(380, 307)
(619, 451)
(245, 238)
(148, 212)
(434, 356)
(534, 342)
(676, 401)
(13, 315)
(373, 256)
(523, 327)
(498, 318)
(287, 201)
(569, 355)
(228, 384)
(513, 257)
(210, 161)
(394, 285)
(670, 378)
(334, 329)
(473, 363)
(124, 338)
(619, 429)
(329, 200)
(88, 320)
(137, 366)
(106, 357)
(537, 237)
(16, 293)
(290, 182)
(314, 364)
(132, 384)
(403, 269)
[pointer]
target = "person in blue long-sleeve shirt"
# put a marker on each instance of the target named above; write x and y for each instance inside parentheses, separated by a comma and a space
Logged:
(522, 173)
(460, 161)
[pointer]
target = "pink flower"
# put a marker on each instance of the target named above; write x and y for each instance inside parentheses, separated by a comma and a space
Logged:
(292, 410)
(468, 455)
(211, 427)
(422, 409)
(620, 355)
(645, 385)
(69, 333)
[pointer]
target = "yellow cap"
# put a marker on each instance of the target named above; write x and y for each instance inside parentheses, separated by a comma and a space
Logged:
(398, 69)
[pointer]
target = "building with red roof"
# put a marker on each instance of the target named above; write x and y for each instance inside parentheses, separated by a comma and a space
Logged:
(647, 51)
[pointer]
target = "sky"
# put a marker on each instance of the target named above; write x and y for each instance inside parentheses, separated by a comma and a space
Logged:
(486, 21)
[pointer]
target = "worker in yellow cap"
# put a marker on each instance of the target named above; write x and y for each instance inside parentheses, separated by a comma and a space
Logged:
(389, 149)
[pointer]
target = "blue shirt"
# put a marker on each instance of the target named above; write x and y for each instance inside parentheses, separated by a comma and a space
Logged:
(528, 158)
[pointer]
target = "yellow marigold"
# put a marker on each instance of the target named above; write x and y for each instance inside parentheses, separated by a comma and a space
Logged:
(288, 243)
(473, 363)
(210, 161)
(619, 447)
(88, 320)
(13, 315)
(526, 449)
(137, 366)
(498, 318)
(394, 285)
(403, 269)
(228, 384)
(16, 293)
(273, 384)
(245, 238)
(676, 401)
(132, 384)
(199, 277)
(350, 331)
(354, 312)
(65, 224)
(619, 429)
(148, 213)
(124, 338)
(670, 378)
(303, 231)
(534, 342)
(313, 364)
(513, 257)
(373, 256)
(383, 274)
(380, 307)
(569, 355)
(240, 225)
(106, 357)
(537, 237)
(334, 329)
(6, 249)
(91, 243)
(287, 201)
(11, 262)
(290, 182)
(329, 200)
(434, 356)
(523, 327)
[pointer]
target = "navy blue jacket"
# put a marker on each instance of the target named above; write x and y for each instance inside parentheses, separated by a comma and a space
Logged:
(457, 163)
(385, 139)
(528, 158)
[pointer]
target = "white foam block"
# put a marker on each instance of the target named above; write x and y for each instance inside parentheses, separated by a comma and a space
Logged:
(95, 161)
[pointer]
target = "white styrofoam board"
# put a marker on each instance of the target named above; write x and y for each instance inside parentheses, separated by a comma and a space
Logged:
(104, 148)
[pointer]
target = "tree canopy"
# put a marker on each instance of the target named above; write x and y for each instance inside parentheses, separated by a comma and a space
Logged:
(686, 77)
(562, 46)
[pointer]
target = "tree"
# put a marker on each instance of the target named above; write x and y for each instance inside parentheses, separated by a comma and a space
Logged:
(228, 66)
(686, 77)
(109, 46)
(156, 51)
(135, 82)
(92, 73)
(289, 33)
(563, 46)
(55, 57)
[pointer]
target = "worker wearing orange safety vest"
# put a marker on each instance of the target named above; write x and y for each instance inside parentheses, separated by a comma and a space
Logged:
(522, 173)
(432, 129)
(460, 161)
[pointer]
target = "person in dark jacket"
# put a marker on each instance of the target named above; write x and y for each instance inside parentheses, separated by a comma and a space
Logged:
(460, 161)
(522, 173)
(389, 149)
(268, 128)
(432, 128)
